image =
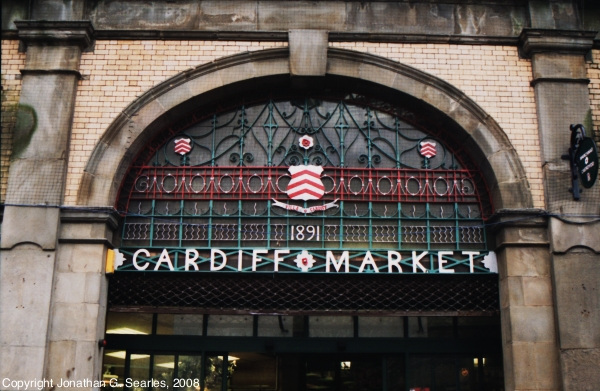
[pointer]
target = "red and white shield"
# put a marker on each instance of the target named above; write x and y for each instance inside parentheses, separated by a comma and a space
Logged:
(306, 183)
(183, 145)
(428, 149)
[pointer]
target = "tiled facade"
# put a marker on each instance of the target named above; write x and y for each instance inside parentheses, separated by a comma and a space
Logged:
(117, 72)
(12, 63)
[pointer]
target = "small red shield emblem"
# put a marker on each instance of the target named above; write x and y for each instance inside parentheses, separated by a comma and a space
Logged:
(306, 183)
(428, 149)
(183, 145)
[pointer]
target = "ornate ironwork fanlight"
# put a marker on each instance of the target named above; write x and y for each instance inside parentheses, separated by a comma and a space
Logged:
(366, 181)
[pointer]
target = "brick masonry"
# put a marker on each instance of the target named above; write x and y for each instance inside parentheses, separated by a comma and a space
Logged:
(12, 63)
(118, 72)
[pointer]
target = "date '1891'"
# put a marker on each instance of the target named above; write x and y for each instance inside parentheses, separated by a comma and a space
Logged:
(305, 232)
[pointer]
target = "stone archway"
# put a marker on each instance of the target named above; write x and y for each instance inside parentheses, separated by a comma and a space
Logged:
(488, 145)
(464, 124)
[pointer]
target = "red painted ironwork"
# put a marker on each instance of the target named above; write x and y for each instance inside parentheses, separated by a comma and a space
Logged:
(265, 183)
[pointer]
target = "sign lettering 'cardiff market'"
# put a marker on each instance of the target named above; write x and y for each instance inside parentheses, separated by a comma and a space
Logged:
(288, 260)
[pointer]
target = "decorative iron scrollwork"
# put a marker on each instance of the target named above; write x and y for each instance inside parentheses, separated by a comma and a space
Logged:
(394, 186)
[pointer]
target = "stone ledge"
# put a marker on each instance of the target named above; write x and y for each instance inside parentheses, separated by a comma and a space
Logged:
(534, 41)
(538, 80)
(88, 225)
(66, 33)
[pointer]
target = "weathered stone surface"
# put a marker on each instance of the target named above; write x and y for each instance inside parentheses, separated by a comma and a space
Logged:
(535, 367)
(25, 292)
(70, 287)
(36, 182)
(62, 356)
(368, 17)
(580, 369)
(525, 291)
(308, 52)
(577, 280)
(22, 362)
(58, 10)
(74, 321)
(550, 15)
(45, 57)
(511, 292)
(81, 258)
(11, 11)
(524, 261)
(537, 291)
(56, 32)
(524, 235)
(85, 232)
(50, 99)
(536, 41)
(547, 364)
(556, 65)
(33, 225)
(582, 234)
(532, 324)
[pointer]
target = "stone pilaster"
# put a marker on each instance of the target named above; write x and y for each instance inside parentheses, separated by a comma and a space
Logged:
(35, 192)
(562, 98)
(78, 311)
(530, 347)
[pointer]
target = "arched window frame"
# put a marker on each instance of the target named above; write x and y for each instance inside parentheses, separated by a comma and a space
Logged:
(242, 197)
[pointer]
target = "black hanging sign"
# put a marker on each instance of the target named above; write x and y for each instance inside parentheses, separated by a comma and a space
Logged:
(584, 160)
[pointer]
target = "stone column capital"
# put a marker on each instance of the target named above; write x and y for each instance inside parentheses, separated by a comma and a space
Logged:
(532, 41)
(58, 33)
(520, 228)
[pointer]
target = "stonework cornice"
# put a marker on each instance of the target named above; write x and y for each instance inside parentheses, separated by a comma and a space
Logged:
(534, 41)
(65, 33)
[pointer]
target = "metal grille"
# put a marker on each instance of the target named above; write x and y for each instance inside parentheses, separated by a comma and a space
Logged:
(232, 181)
(280, 232)
(341, 294)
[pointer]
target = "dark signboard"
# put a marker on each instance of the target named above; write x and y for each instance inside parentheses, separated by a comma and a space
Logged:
(583, 158)
(586, 160)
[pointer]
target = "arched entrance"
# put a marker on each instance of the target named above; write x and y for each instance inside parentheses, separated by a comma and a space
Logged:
(401, 161)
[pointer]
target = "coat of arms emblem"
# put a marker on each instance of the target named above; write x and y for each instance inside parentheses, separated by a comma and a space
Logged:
(305, 183)
(183, 146)
(428, 149)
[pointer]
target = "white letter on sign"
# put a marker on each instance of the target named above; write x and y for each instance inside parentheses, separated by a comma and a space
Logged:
(417, 259)
(164, 257)
(394, 259)
(471, 254)
(368, 260)
(256, 259)
(277, 258)
(442, 261)
(190, 261)
(344, 258)
(214, 252)
(135, 255)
